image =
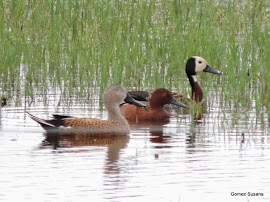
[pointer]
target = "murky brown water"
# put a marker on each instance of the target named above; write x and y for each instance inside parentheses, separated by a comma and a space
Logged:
(178, 161)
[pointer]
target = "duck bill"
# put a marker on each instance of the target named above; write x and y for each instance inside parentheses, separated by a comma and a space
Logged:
(175, 102)
(131, 100)
(211, 70)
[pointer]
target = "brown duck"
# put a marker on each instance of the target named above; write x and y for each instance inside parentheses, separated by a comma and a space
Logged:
(116, 124)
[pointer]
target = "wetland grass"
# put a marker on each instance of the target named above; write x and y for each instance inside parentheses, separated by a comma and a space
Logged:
(83, 45)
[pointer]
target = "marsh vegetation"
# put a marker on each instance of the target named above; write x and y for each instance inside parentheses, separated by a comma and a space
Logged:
(78, 46)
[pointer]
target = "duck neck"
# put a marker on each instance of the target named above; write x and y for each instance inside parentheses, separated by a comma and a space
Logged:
(155, 107)
(114, 115)
(197, 94)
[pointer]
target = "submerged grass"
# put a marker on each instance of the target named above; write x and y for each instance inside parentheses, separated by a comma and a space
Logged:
(80, 45)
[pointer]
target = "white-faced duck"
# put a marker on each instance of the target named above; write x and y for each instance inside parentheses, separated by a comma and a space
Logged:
(194, 65)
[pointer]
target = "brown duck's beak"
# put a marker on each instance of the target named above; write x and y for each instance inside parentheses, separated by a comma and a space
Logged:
(175, 102)
(211, 70)
(131, 100)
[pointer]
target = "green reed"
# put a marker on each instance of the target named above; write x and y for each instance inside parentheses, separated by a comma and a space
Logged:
(83, 45)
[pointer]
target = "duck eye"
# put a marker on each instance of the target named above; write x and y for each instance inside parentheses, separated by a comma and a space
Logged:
(200, 62)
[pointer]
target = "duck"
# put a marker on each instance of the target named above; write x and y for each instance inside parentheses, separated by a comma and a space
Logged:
(4, 101)
(156, 111)
(116, 124)
(194, 65)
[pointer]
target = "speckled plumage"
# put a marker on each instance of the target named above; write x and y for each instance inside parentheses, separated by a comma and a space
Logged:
(94, 126)
(116, 124)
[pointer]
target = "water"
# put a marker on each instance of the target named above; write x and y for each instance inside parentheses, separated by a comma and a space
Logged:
(226, 154)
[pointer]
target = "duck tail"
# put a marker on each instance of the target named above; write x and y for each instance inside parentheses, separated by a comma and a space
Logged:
(44, 123)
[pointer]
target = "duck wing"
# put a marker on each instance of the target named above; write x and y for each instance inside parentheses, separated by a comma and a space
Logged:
(57, 116)
(140, 95)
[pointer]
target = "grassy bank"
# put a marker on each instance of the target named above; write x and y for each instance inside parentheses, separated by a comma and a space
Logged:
(78, 45)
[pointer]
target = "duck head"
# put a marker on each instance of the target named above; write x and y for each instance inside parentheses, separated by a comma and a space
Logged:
(116, 94)
(194, 65)
(197, 64)
(161, 97)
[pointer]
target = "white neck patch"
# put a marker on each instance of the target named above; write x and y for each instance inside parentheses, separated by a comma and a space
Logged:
(194, 78)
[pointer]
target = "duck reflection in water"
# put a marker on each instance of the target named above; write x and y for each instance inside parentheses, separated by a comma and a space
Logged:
(114, 143)
(156, 131)
(157, 136)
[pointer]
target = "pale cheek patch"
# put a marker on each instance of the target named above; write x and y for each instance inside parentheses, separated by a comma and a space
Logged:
(199, 67)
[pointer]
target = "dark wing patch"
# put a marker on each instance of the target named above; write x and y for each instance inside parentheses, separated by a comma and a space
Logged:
(57, 116)
(139, 95)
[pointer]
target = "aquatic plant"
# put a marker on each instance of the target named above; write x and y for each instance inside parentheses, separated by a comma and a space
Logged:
(78, 46)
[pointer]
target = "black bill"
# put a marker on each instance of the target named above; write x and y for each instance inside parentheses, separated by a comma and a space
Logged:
(131, 100)
(175, 102)
(211, 70)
